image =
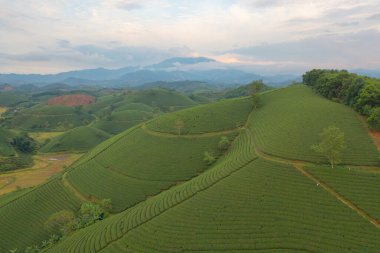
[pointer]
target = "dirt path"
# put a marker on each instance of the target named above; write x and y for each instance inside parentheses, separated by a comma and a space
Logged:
(341, 198)
(72, 189)
(300, 165)
(189, 136)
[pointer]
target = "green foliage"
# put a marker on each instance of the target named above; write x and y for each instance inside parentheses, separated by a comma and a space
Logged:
(361, 93)
(246, 90)
(22, 219)
(374, 119)
(62, 221)
(255, 88)
(224, 143)
(24, 143)
(331, 145)
(208, 158)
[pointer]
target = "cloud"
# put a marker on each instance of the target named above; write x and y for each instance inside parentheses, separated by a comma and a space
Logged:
(350, 50)
(129, 5)
(374, 17)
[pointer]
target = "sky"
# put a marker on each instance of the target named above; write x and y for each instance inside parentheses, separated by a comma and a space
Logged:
(279, 36)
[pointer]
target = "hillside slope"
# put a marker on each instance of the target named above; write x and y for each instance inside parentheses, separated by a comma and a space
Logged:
(128, 168)
(79, 139)
(254, 201)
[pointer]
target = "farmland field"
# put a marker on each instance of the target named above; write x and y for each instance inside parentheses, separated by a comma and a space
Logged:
(79, 139)
(253, 198)
(45, 166)
(296, 116)
(219, 116)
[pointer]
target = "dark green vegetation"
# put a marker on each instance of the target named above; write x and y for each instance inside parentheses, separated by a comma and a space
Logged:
(11, 98)
(6, 148)
(359, 92)
(166, 198)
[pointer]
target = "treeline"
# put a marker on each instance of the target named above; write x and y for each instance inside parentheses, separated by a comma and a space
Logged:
(359, 92)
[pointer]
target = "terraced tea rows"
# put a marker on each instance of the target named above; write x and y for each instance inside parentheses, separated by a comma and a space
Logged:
(119, 121)
(290, 120)
(124, 174)
(220, 116)
(360, 186)
(261, 207)
(78, 139)
(22, 220)
(94, 239)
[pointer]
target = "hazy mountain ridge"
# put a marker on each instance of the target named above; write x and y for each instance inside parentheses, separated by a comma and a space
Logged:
(170, 70)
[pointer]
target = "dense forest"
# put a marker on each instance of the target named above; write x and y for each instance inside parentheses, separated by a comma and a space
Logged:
(359, 92)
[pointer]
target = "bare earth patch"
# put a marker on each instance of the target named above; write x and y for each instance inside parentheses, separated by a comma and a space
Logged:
(376, 138)
(2, 110)
(72, 100)
(45, 166)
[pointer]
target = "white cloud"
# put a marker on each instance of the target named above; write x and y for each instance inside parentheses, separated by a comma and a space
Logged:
(207, 27)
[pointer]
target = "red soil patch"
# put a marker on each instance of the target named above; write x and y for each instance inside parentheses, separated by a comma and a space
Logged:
(7, 88)
(72, 100)
(376, 138)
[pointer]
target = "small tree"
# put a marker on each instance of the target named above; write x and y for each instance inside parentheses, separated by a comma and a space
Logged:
(255, 88)
(331, 145)
(224, 143)
(374, 119)
(208, 158)
(179, 124)
(63, 221)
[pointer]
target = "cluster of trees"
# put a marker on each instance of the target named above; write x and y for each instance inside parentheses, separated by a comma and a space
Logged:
(24, 143)
(64, 222)
(359, 92)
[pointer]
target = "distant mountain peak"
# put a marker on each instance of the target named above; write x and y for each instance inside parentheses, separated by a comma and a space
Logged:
(173, 62)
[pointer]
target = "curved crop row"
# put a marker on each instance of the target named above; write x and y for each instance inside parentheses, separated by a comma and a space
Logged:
(22, 219)
(219, 116)
(360, 186)
(100, 235)
(289, 122)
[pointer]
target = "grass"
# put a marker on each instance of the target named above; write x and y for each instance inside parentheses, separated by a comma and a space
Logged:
(220, 116)
(290, 120)
(79, 139)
